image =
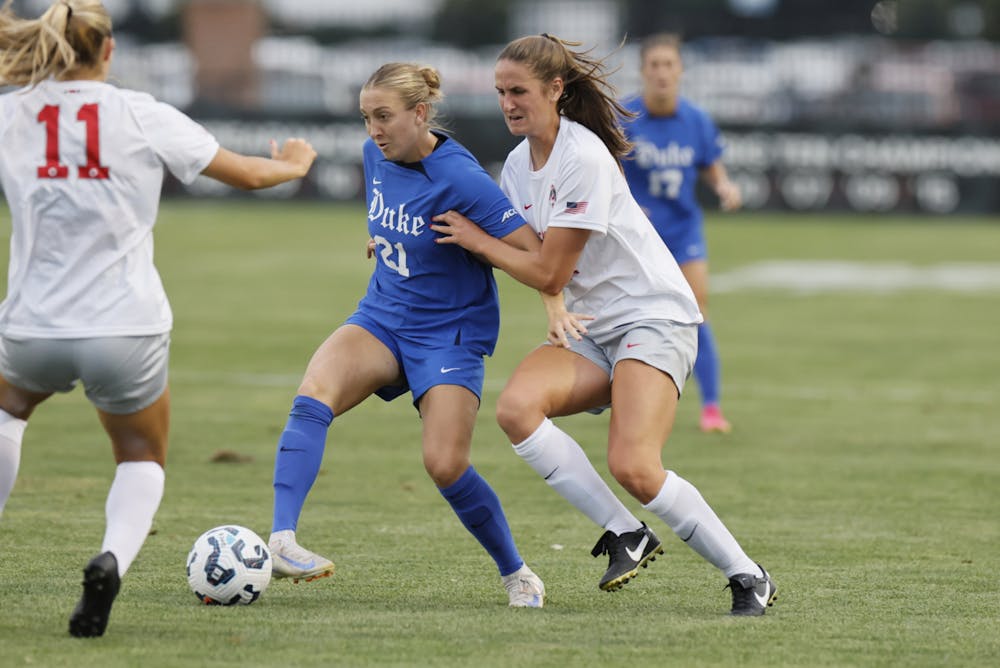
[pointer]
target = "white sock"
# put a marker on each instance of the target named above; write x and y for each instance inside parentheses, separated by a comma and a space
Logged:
(11, 434)
(682, 507)
(286, 536)
(564, 465)
(132, 502)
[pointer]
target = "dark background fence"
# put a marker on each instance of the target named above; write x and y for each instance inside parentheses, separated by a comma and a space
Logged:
(877, 106)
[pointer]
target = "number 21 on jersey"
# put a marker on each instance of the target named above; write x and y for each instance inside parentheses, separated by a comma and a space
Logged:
(53, 168)
(386, 251)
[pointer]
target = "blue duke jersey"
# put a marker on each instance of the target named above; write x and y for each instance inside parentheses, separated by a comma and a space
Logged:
(663, 168)
(423, 291)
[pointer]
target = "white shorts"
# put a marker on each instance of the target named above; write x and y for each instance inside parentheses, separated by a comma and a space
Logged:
(668, 346)
(120, 374)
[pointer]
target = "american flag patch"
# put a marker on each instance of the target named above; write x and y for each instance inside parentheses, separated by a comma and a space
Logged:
(575, 207)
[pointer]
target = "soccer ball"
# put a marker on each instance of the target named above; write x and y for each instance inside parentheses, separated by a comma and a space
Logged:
(229, 564)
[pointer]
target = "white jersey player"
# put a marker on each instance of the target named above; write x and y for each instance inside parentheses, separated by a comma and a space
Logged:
(600, 251)
(83, 196)
(81, 169)
(624, 272)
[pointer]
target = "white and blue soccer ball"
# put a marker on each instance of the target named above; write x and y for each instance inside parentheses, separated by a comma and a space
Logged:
(229, 565)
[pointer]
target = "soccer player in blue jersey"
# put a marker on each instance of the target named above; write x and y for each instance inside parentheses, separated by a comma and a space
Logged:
(430, 315)
(675, 143)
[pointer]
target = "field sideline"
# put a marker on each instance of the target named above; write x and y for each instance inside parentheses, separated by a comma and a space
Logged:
(862, 472)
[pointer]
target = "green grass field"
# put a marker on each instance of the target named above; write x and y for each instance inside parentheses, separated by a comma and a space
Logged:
(862, 471)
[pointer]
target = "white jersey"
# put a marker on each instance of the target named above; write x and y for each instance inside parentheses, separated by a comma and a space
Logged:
(82, 169)
(625, 272)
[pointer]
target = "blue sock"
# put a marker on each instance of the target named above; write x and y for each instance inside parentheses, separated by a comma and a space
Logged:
(706, 366)
(477, 505)
(297, 462)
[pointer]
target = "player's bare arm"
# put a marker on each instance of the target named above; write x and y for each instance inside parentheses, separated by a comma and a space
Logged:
(291, 161)
(548, 269)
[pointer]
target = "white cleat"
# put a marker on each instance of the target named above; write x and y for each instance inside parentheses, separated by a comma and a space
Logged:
(526, 590)
(291, 560)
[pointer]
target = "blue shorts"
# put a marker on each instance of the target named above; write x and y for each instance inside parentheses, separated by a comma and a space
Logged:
(423, 365)
(686, 244)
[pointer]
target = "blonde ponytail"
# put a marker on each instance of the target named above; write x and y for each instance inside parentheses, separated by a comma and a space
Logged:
(70, 34)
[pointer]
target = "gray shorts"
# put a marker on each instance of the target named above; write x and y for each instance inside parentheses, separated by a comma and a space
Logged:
(120, 374)
(668, 346)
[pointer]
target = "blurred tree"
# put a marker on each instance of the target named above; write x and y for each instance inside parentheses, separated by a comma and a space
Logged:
(471, 23)
(784, 20)
(138, 20)
(936, 19)
(790, 19)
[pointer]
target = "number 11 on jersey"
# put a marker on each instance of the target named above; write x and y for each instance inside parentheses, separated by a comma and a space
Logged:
(53, 168)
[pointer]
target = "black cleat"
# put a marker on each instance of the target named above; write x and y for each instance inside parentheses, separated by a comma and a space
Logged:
(752, 594)
(100, 586)
(626, 553)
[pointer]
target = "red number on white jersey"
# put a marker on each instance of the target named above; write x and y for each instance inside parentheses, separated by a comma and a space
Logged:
(53, 169)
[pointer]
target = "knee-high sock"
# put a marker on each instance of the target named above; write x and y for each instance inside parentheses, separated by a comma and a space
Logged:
(706, 365)
(682, 507)
(565, 467)
(132, 503)
(478, 507)
(11, 434)
(299, 456)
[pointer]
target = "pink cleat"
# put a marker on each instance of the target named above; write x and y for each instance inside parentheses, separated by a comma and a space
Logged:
(712, 420)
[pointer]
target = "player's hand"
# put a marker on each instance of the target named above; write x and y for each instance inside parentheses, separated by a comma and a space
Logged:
(457, 229)
(566, 326)
(730, 198)
(563, 324)
(370, 249)
(297, 151)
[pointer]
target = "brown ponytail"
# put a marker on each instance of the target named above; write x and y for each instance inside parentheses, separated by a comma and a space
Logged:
(588, 98)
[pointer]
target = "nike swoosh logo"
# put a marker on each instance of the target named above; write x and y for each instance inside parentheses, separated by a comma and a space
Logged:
(632, 345)
(763, 599)
(304, 565)
(450, 369)
(528, 206)
(376, 182)
(636, 554)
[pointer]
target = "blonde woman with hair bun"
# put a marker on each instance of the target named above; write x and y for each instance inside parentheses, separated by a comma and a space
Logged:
(428, 319)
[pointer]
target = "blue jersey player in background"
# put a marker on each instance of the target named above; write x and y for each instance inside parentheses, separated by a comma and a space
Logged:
(429, 316)
(675, 143)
